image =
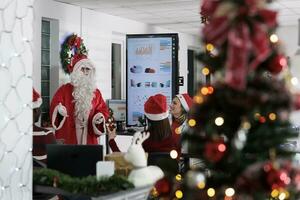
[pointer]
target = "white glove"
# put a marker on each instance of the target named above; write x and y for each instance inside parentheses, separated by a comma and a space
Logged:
(99, 119)
(62, 110)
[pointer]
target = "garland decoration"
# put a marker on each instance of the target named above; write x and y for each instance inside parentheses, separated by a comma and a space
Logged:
(89, 185)
(72, 50)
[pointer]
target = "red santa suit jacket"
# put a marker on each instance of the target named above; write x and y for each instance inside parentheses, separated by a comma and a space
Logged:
(68, 131)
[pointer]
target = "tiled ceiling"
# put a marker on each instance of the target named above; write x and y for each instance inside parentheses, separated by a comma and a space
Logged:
(178, 15)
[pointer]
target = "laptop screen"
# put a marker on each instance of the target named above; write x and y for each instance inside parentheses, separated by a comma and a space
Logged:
(75, 160)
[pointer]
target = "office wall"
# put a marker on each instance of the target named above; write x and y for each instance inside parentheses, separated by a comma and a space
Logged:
(16, 58)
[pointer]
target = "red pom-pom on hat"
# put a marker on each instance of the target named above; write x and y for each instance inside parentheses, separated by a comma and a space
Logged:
(36, 99)
(185, 100)
(156, 107)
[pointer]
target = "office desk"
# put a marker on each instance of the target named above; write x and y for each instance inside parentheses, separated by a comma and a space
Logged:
(123, 140)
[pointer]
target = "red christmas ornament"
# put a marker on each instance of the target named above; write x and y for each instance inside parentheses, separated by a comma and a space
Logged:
(163, 187)
(277, 64)
(276, 178)
(214, 150)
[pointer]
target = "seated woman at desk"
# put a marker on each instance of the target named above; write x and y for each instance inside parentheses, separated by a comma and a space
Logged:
(41, 136)
(179, 109)
(161, 138)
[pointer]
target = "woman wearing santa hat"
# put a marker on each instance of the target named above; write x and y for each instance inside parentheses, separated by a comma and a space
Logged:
(179, 109)
(161, 138)
(41, 136)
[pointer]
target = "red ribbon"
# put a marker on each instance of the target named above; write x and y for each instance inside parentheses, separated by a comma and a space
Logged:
(237, 56)
(241, 43)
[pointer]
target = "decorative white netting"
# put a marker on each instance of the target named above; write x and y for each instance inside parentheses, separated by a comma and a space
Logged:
(16, 63)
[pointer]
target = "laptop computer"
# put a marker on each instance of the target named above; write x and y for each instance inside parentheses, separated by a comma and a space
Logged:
(75, 160)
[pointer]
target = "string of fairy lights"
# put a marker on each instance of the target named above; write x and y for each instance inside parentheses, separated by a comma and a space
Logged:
(16, 36)
(197, 179)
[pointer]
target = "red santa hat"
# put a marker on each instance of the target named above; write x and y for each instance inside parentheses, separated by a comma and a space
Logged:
(82, 62)
(156, 107)
(36, 99)
(185, 100)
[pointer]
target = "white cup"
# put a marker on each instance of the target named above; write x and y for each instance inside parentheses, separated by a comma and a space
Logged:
(105, 168)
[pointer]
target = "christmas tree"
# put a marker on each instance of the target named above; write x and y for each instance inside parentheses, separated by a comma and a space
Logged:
(239, 124)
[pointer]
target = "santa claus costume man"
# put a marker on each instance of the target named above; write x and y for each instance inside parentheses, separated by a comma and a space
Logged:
(78, 111)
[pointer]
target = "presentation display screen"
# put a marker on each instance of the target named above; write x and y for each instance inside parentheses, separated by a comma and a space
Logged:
(152, 68)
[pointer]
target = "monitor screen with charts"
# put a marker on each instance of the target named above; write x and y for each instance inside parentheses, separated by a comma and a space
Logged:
(74, 160)
(151, 68)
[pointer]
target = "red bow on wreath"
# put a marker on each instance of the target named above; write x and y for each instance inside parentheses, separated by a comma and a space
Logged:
(229, 23)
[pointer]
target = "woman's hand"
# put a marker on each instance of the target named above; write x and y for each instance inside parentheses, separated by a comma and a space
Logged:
(111, 131)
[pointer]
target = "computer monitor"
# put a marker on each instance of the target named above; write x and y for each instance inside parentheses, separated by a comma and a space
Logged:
(118, 106)
(75, 160)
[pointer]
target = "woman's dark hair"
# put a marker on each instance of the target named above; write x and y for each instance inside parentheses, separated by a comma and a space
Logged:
(159, 130)
(36, 114)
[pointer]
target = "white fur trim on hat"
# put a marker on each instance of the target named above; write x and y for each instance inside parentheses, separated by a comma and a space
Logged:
(183, 102)
(157, 117)
(43, 157)
(38, 103)
(96, 130)
(54, 115)
(84, 63)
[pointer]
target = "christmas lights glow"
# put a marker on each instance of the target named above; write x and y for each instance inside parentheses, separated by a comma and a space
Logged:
(198, 99)
(178, 194)
(246, 125)
(272, 116)
(274, 38)
(219, 121)
(294, 81)
(283, 62)
(256, 115)
(274, 193)
(229, 192)
(209, 47)
(282, 196)
(221, 147)
(211, 192)
(205, 71)
(192, 122)
(178, 130)
(201, 185)
(204, 90)
(173, 154)
(210, 89)
(178, 177)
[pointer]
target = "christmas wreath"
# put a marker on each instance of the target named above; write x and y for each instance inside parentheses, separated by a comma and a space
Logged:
(89, 185)
(72, 49)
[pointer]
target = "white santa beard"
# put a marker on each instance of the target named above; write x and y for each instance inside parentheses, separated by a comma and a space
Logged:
(83, 93)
